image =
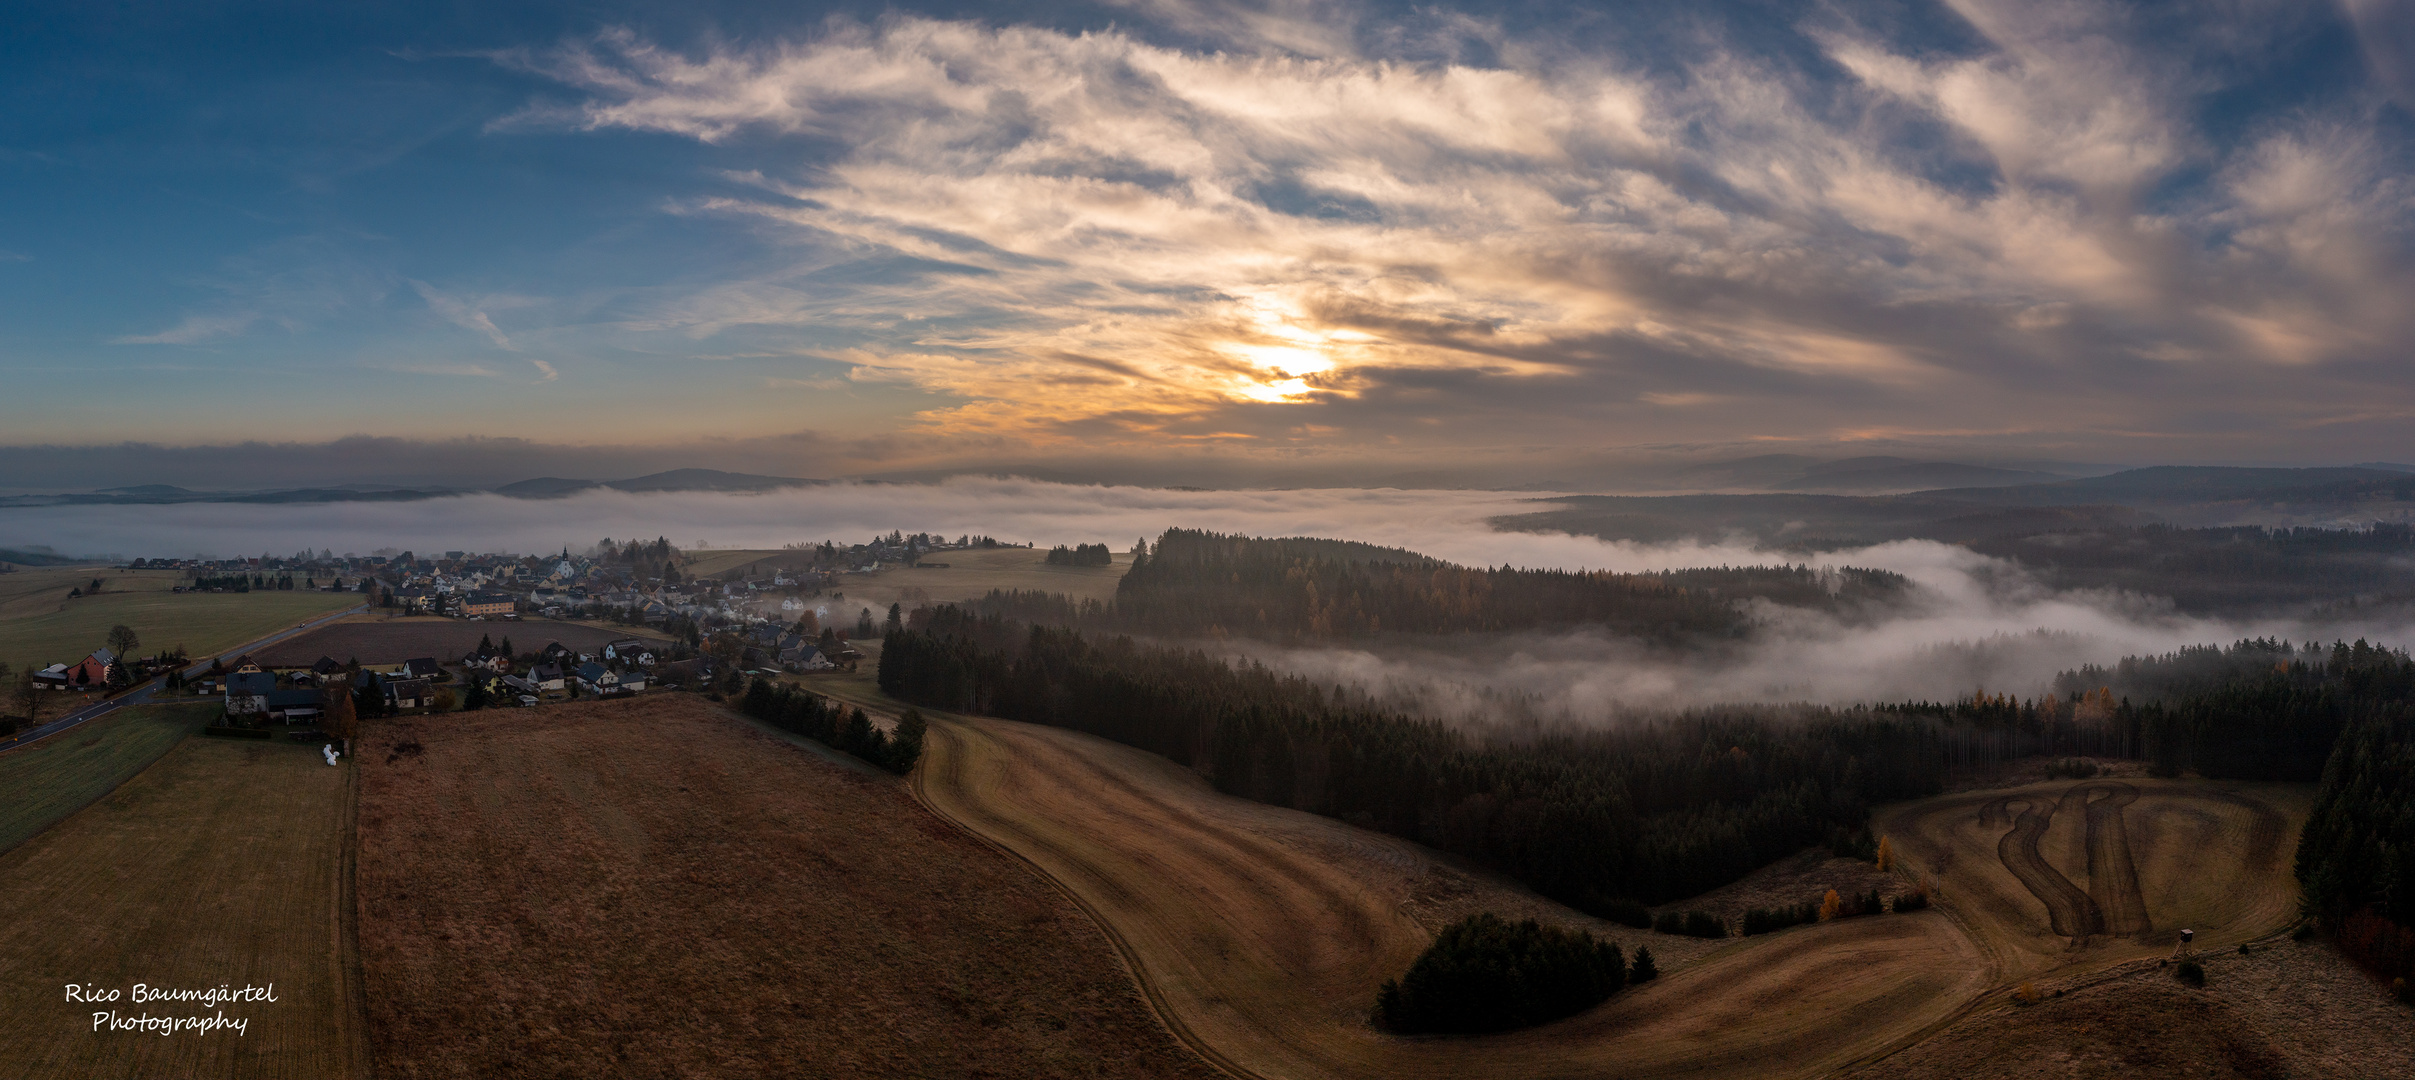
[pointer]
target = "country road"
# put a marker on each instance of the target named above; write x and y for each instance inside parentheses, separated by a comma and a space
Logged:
(143, 695)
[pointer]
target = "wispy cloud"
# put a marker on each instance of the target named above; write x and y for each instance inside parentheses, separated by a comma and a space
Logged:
(1299, 222)
(193, 330)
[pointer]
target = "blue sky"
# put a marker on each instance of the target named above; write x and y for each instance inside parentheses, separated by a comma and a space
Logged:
(853, 238)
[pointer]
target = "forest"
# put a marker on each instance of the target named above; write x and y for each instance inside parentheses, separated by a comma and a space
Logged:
(2356, 858)
(1210, 584)
(1484, 973)
(1646, 812)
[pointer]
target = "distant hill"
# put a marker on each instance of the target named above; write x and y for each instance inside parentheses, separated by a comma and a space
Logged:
(2182, 485)
(554, 487)
(1879, 475)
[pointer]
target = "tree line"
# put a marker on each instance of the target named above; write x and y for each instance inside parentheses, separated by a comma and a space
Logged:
(1647, 812)
(1195, 582)
(834, 725)
(2356, 857)
(1081, 555)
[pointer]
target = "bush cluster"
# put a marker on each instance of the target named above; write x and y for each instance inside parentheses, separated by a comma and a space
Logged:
(1766, 920)
(1081, 555)
(832, 724)
(1701, 924)
(1484, 973)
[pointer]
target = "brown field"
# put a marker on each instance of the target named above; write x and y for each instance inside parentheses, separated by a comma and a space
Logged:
(381, 639)
(658, 888)
(224, 863)
(2284, 1009)
(1262, 934)
(2087, 874)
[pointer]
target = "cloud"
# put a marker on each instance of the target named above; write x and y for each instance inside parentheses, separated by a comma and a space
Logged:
(463, 313)
(1314, 219)
(193, 330)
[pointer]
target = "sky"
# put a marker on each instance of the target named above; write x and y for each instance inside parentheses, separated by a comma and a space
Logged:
(1286, 238)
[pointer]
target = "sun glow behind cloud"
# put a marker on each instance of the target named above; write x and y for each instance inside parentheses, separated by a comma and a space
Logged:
(1126, 240)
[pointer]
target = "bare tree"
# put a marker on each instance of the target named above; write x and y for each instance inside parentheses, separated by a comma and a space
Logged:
(123, 640)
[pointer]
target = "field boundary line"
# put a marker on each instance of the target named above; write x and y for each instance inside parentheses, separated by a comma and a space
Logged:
(1124, 951)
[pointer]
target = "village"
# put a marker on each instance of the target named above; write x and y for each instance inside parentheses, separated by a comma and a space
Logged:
(618, 619)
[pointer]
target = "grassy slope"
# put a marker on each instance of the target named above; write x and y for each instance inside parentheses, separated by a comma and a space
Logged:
(655, 888)
(1262, 933)
(39, 625)
(49, 780)
(222, 863)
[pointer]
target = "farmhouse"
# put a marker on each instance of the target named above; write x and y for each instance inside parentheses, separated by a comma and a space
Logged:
(598, 679)
(547, 677)
(487, 605)
(423, 667)
(407, 693)
(84, 674)
(247, 693)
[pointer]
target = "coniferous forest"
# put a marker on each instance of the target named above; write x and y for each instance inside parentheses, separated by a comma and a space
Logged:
(1484, 974)
(1645, 812)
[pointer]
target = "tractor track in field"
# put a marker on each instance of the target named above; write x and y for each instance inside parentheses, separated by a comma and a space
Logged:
(2071, 911)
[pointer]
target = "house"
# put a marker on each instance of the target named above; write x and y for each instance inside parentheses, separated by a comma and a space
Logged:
(292, 706)
(325, 667)
(247, 693)
(487, 604)
(625, 649)
(475, 662)
(598, 679)
(424, 667)
(805, 658)
(53, 677)
(554, 652)
(89, 672)
(519, 687)
(408, 693)
(243, 665)
(414, 599)
(547, 677)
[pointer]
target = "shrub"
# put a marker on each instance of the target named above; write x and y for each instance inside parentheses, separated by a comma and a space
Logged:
(1766, 920)
(1483, 973)
(1703, 924)
(1911, 901)
(2071, 769)
(1832, 906)
(1643, 970)
(2190, 972)
(1852, 845)
(2026, 995)
(1669, 922)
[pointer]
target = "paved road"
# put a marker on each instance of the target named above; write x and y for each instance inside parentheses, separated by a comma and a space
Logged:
(145, 694)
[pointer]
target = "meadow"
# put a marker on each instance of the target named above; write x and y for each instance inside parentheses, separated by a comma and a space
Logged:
(221, 864)
(49, 780)
(657, 887)
(967, 575)
(41, 625)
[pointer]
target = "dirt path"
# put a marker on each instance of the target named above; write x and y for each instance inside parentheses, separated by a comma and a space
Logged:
(1261, 934)
(2112, 874)
(2072, 912)
(2158, 855)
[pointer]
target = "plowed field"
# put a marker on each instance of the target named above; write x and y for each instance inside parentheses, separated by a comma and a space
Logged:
(2093, 873)
(1262, 934)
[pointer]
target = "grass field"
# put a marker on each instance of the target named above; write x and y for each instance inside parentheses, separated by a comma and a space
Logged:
(47, 781)
(657, 888)
(39, 625)
(223, 863)
(968, 574)
(2088, 874)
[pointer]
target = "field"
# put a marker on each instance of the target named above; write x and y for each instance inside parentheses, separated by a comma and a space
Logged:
(2093, 873)
(381, 639)
(968, 574)
(657, 888)
(49, 780)
(2282, 1009)
(221, 864)
(39, 625)
(1262, 934)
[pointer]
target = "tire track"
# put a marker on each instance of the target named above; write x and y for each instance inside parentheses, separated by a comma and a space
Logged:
(2070, 911)
(2112, 874)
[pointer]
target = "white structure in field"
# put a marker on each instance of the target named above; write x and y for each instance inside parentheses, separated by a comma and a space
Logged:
(329, 750)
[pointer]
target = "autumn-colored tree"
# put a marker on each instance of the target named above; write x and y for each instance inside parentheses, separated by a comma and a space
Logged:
(341, 721)
(1886, 854)
(1831, 906)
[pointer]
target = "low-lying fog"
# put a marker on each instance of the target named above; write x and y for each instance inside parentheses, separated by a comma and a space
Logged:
(1974, 621)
